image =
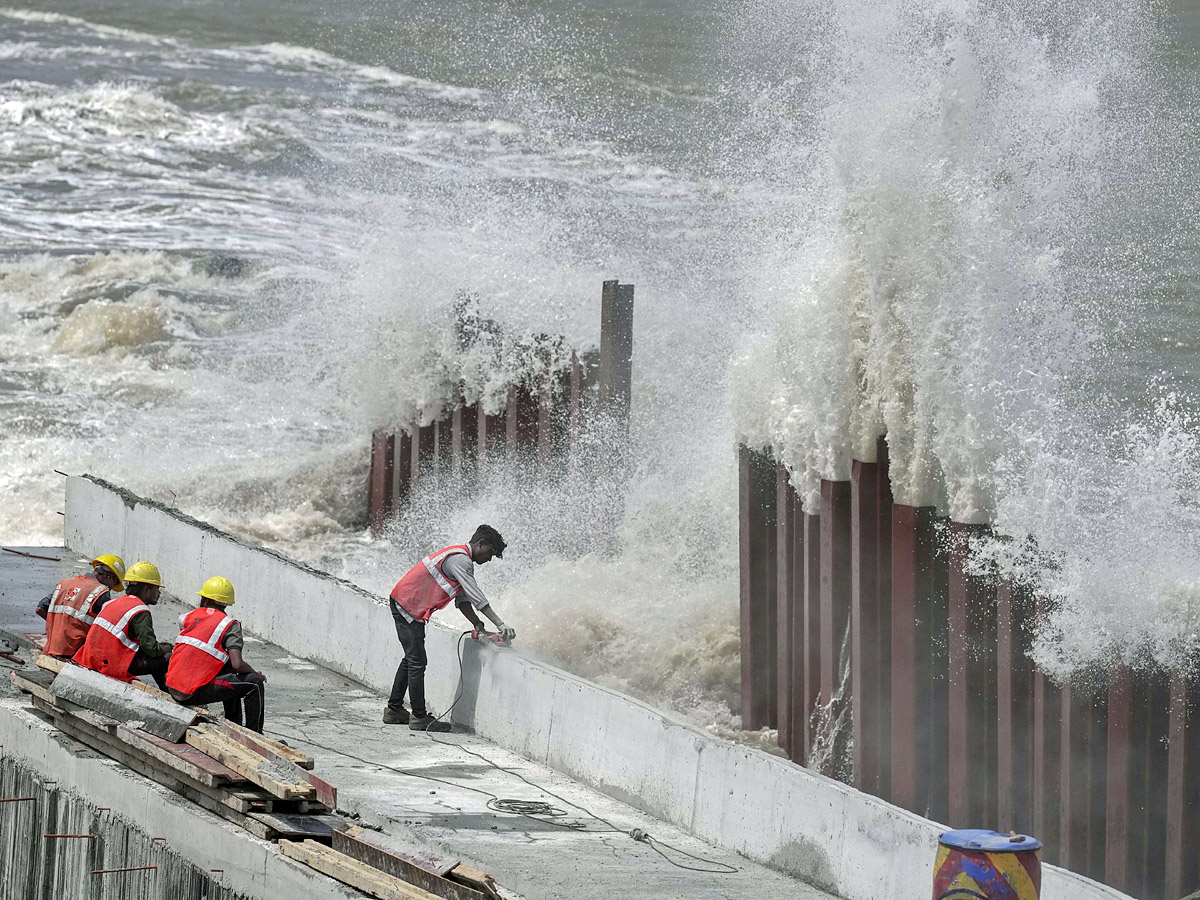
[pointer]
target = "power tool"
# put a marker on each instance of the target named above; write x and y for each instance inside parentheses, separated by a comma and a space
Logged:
(482, 636)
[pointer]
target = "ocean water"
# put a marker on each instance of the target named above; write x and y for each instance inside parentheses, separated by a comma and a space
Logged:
(232, 235)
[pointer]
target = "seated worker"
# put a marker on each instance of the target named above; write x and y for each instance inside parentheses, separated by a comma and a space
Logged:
(121, 642)
(70, 610)
(432, 583)
(207, 664)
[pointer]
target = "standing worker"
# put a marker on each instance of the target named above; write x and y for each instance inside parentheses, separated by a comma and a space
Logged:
(121, 642)
(70, 610)
(207, 665)
(431, 584)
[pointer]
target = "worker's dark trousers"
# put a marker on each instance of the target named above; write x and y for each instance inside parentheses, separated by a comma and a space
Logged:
(410, 676)
(151, 665)
(232, 689)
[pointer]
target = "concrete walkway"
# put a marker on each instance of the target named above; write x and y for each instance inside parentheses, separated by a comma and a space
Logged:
(436, 790)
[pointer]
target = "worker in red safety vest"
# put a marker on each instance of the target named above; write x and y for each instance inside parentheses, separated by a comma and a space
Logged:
(70, 610)
(428, 586)
(121, 642)
(207, 665)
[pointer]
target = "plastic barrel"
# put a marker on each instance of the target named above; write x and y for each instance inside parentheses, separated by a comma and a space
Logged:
(974, 864)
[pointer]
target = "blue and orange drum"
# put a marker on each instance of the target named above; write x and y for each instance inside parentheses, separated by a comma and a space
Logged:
(974, 864)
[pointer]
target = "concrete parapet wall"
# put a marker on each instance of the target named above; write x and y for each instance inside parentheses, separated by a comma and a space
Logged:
(764, 807)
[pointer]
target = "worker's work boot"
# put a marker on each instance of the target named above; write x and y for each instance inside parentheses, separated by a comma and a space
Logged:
(427, 723)
(395, 716)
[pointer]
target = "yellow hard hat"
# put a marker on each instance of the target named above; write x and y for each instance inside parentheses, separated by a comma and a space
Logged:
(115, 563)
(218, 589)
(144, 573)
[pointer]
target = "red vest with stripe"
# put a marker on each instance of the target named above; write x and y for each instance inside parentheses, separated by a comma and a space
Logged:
(70, 614)
(109, 649)
(198, 655)
(424, 589)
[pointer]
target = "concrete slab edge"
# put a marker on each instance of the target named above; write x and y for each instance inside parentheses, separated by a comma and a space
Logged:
(251, 866)
(741, 799)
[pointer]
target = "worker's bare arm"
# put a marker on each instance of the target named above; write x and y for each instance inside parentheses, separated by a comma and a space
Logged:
(468, 612)
(239, 664)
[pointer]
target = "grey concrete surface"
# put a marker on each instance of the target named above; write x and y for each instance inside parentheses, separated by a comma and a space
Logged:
(435, 790)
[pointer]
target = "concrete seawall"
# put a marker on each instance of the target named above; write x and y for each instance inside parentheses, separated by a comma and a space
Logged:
(741, 799)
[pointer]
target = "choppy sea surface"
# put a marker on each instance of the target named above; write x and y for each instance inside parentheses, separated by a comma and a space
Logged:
(231, 236)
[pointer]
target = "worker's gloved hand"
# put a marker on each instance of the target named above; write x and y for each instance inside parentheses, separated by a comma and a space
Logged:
(507, 633)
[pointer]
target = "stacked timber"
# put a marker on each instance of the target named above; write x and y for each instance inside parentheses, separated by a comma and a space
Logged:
(259, 784)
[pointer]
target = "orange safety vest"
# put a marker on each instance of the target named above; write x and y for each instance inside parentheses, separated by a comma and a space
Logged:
(424, 589)
(109, 649)
(70, 614)
(198, 655)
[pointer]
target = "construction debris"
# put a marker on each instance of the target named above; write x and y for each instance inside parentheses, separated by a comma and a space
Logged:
(261, 785)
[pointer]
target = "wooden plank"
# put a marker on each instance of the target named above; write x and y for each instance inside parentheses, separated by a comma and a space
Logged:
(38, 639)
(350, 842)
(477, 879)
(352, 872)
(37, 688)
(109, 745)
(49, 663)
(294, 825)
(326, 793)
(250, 801)
(420, 855)
(264, 746)
(191, 762)
(249, 764)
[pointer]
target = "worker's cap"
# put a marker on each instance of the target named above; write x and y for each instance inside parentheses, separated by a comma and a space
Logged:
(490, 536)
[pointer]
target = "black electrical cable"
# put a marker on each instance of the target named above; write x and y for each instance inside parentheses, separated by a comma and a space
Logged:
(530, 809)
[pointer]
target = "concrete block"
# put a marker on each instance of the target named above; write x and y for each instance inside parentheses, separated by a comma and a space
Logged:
(120, 701)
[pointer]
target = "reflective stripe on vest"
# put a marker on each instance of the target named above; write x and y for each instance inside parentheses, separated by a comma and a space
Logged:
(69, 614)
(213, 645)
(198, 658)
(81, 612)
(109, 649)
(425, 588)
(120, 629)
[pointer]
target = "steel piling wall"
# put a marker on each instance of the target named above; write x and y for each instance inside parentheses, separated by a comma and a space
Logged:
(540, 430)
(951, 718)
